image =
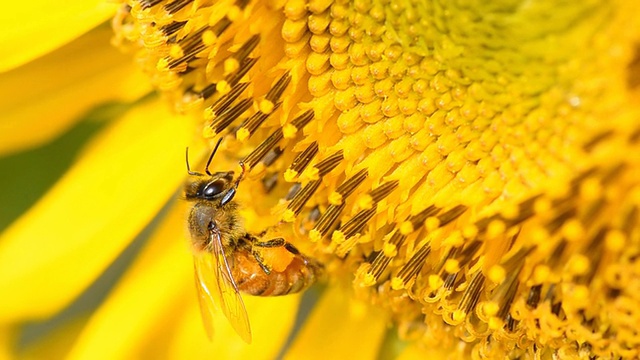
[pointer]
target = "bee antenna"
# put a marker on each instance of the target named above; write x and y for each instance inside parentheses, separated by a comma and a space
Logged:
(244, 169)
(206, 168)
(189, 167)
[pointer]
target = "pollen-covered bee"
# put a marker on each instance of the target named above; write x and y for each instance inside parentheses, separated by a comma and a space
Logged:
(227, 259)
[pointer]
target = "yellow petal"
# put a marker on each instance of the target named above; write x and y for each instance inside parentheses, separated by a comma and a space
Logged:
(415, 352)
(57, 342)
(146, 299)
(339, 328)
(42, 99)
(272, 320)
(55, 250)
(33, 28)
(7, 339)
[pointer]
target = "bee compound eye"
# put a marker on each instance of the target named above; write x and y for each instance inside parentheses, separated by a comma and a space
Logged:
(213, 188)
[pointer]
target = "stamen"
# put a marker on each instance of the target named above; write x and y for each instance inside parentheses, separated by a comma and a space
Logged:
(176, 5)
(329, 218)
(380, 263)
(328, 164)
(278, 88)
(264, 147)
(245, 65)
(411, 269)
(301, 197)
(147, 4)
(227, 99)
(172, 28)
(302, 160)
(222, 121)
(253, 123)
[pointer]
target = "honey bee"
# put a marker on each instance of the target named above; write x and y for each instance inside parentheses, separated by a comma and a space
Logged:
(228, 260)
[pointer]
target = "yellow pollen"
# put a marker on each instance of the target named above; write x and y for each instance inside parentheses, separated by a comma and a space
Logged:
(368, 280)
(455, 239)
(542, 205)
(615, 240)
(578, 264)
(288, 216)
(397, 283)
(435, 282)
(310, 174)
(406, 228)
(162, 65)
(539, 235)
(389, 250)
(579, 296)
(175, 51)
(365, 202)
(231, 65)
(541, 274)
(497, 274)
(335, 198)
(242, 134)
(289, 131)
(510, 211)
(209, 38)
(223, 87)
(315, 236)
(290, 175)
(234, 13)
(458, 316)
(338, 237)
(491, 308)
(495, 228)
(208, 132)
(495, 323)
(452, 266)
(590, 189)
(432, 223)
(573, 230)
(470, 231)
(266, 106)
(208, 113)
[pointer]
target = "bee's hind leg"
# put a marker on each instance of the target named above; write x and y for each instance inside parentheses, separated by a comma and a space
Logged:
(277, 242)
(260, 261)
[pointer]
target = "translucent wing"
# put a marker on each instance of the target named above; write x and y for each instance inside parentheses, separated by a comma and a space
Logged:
(215, 284)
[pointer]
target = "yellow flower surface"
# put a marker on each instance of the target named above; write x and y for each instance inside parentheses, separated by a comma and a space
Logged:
(467, 172)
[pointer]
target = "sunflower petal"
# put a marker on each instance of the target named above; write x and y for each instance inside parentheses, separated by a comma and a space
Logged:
(272, 319)
(76, 230)
(341, 323)
(42, 99)
(45, 25)
(415, 352)
(136, 310)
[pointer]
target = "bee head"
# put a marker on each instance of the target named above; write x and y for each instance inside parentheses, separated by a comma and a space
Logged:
(218, 186)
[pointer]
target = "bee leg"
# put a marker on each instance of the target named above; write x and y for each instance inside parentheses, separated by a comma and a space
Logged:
(260, 261)
(271, 243)
(281, 242)
(292, 249)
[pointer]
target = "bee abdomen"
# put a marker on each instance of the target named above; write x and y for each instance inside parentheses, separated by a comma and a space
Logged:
(252, 280)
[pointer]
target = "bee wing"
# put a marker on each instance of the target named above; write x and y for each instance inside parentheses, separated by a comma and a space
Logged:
(215, 284)
(204, 296)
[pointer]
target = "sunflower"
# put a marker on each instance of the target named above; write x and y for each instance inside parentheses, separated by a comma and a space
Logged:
(468, 174)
